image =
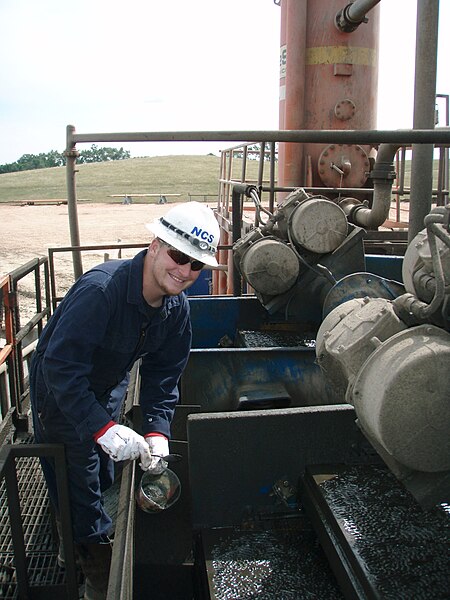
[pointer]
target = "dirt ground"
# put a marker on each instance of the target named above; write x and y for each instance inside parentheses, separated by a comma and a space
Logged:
(27, 231)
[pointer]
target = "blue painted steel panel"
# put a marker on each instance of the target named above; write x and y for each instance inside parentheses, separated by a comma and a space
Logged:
(389, 267)
(217, 316)
(216, 378)
(202, 287)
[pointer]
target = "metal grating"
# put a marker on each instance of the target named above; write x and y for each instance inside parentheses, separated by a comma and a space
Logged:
(389, 547)
(275, 563)
(40, 543)
(274, 339)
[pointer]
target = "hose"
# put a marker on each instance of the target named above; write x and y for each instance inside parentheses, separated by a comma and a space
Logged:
(258, 206)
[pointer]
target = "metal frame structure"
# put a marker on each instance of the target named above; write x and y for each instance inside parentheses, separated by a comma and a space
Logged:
(374, 137)
(121, 583)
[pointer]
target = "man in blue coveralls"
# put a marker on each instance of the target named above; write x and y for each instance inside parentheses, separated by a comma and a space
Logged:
(115, 314)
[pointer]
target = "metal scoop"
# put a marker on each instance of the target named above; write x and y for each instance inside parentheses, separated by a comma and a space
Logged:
(158, 492)
(169, 458)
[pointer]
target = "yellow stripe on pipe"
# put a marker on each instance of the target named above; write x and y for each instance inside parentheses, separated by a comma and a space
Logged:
(329, 55)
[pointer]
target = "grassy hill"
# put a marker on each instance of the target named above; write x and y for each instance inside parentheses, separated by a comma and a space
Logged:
(187, 175)
(195, 175)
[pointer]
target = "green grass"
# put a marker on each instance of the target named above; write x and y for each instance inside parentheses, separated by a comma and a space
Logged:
(184, 175)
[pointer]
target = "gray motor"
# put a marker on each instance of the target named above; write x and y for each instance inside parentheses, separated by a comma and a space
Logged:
(273, 256)
(389, 359)
(270, 266)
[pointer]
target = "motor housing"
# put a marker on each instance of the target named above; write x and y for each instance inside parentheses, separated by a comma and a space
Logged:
(280, 258)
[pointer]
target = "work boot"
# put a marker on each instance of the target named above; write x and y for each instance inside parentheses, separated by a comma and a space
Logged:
(95, 562)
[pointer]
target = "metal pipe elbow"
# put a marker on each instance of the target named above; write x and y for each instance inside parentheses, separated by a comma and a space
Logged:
(383, 174)
(351, 16)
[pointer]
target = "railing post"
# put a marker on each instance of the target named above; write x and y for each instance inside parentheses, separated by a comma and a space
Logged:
(238, 190)
(71, 154)
(424, 113)
(15, 519)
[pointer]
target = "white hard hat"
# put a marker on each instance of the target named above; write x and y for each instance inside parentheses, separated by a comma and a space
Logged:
(191, 228)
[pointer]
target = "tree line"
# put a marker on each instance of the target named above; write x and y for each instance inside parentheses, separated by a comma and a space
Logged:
(45, 160)
(254, 152)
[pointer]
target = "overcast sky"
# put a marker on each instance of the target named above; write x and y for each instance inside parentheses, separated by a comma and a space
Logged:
(168, 65)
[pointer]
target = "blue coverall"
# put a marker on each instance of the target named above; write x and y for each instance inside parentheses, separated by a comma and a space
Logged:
(79, 374)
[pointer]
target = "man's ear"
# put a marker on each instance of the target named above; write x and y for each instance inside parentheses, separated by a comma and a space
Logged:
(155, 245)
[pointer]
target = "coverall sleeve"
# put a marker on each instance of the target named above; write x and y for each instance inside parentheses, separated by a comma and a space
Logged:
(67, 360)
(160, 373)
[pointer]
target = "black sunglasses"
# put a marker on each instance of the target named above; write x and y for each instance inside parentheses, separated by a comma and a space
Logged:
(183, 259)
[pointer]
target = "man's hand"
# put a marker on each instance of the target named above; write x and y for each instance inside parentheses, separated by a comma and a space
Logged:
(159, 447)
(122, 443)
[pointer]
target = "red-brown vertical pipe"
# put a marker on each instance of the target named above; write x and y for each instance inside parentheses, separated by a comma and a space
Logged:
(339, 67)
(223, 260)
(331, 82)
(293, 25)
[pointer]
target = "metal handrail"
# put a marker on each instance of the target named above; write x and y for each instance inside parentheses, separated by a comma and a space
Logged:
(12, 354)
(120, 583)
(439, 136)
(52, 251)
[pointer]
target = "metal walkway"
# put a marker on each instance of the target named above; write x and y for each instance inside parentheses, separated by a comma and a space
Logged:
(39, 528)
(40, 537)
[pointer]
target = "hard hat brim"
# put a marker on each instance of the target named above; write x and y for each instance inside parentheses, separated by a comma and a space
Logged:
(181, 243)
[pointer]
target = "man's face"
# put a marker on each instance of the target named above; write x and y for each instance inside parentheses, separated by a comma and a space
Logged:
(165, 274)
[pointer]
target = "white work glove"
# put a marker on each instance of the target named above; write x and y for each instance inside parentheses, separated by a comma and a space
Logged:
(122, 443)
(159, 446)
